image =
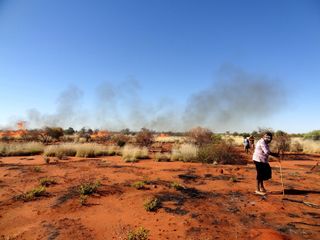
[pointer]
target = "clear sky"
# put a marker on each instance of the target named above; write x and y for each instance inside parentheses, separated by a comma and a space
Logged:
(162, 64)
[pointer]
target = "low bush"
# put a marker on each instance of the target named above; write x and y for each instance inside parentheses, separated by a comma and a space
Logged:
(46, 182)
(33, 194)
(222, 153)
(89, 188)
(139, 234)
(177, 186)
(152, 204)
(139, 185)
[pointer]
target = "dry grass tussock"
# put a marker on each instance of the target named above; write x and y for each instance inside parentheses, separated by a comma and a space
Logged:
(304, 145)
(133, 154)
(80, 150)
(21, 149)
(170, 139)
(237, 140)
(185, 152)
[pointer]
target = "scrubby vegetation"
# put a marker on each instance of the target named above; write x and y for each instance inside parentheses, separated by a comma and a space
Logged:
(139, 185)
(177, 186)
(89, 188)
(46, 182)
(221, 153)
(21, 149)
(152, 205)
(201, 136)
(162, 157)
(144, 137)
(80, 150)
(313, 135)
(185, 152)
(33, 194)
(139, 234)
(132, 153)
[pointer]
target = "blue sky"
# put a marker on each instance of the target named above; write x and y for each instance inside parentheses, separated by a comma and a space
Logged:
(136, 63)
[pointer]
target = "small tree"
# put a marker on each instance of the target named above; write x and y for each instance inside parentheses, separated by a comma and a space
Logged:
(69, 131)
(144, 137)
(281, 142)
(200, 135)
(54, 132)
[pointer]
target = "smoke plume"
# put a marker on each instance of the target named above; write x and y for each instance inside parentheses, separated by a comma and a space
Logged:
(235, 100)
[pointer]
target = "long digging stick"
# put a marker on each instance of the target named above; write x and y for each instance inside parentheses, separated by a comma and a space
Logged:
(281, 175)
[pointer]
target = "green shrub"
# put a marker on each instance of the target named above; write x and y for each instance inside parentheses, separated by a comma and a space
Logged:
(139, 185)
(177, 186)
(89, 188)
(83, 199)
(32, 194)
(47, 182)
(152, 204)
(313, 135)
(139, 234)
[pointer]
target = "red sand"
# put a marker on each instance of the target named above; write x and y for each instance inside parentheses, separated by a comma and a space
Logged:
(211, 207)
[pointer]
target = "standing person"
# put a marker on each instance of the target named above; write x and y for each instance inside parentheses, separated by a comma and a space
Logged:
(251, 141)
(246, 144)
(260, 159)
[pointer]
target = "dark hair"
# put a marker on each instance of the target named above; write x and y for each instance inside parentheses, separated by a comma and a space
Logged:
(268, 134)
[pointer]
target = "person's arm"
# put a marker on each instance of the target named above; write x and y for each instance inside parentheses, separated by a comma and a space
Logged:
(265, 148)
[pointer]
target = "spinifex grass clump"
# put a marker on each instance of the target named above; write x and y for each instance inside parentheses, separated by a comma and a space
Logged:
(33, 194)
(89, 188)
(162, 157)
(60, 151)
(152, 204)
(37, 169)
(46, 182)
(233, 179)
(80, 150)
(133, 154)
(177, 186)
(139, 185)
(139, 234)
(21, 149)
(185, 152)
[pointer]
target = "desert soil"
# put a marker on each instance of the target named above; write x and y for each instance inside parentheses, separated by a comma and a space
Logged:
(217, 201)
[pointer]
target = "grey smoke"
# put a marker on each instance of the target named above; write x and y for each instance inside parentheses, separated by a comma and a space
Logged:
(235, 100)
(68, 111)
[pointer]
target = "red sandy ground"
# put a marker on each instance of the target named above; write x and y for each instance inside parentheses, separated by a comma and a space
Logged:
(211, 207)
